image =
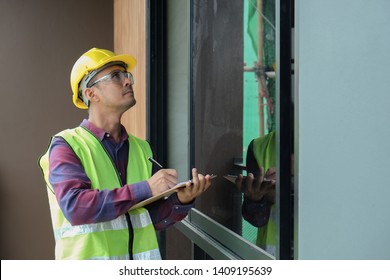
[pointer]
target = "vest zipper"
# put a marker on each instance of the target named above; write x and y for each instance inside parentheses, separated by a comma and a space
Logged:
(129, 225)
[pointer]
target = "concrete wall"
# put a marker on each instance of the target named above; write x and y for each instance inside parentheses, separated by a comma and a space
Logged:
(40, 41)
(343, 98)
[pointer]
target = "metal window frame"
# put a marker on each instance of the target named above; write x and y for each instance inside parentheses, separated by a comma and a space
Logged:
(156, 86)
(285, 20)
(217, 241)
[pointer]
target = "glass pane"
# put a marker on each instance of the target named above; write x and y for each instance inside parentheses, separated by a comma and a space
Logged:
(233, 102)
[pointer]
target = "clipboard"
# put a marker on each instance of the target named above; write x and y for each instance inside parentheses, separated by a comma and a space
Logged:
(163, 195)
(232, 178)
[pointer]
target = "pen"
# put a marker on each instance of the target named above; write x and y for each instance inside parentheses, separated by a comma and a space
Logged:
(152, 160)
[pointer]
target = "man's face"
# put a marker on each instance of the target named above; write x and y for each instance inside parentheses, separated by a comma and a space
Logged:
(114, 91)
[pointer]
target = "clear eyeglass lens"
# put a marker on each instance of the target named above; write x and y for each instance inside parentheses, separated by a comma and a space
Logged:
(117, 77)
(129, 76)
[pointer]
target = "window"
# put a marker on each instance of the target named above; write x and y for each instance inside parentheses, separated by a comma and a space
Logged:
(213, 50)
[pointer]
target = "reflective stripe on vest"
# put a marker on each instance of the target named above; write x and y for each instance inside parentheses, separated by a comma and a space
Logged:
(265, 153)
(105, 240)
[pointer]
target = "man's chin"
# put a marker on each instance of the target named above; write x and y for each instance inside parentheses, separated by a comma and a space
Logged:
(131, 104)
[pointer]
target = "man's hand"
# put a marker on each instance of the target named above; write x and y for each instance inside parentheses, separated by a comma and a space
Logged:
(257, 188)
(162, 180)
(194, 188)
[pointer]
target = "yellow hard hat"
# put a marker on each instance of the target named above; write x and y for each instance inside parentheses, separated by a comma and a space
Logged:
(91, 63)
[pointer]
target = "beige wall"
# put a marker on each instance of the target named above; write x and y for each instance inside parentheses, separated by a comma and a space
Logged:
(130, 37)
(40, 40)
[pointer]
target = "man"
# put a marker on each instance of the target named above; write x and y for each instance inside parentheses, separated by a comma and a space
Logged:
(97, 171)
(259, 190)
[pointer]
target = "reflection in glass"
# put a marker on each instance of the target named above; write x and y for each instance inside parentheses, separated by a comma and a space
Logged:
(217, 103)
(259, 120)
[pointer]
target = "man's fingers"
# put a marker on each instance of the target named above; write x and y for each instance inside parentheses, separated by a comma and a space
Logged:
(238, 182)
(271, 173)
(199, 182)
(162, 180)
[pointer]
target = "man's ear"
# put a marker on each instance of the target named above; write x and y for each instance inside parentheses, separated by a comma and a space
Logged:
(90, 95)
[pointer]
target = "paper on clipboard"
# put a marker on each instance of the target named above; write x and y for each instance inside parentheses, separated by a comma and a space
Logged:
(162, 195)
(231, 178)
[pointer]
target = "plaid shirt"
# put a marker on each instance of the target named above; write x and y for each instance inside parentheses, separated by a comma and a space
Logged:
(83, 205)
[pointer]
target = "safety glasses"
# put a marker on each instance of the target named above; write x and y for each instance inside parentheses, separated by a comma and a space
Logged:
(116, 76)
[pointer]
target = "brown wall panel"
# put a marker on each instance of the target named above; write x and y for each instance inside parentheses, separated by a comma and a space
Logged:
(40, 41)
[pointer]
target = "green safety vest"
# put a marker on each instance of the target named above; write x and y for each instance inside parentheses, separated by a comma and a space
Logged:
(131, 235)
(265, 153)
